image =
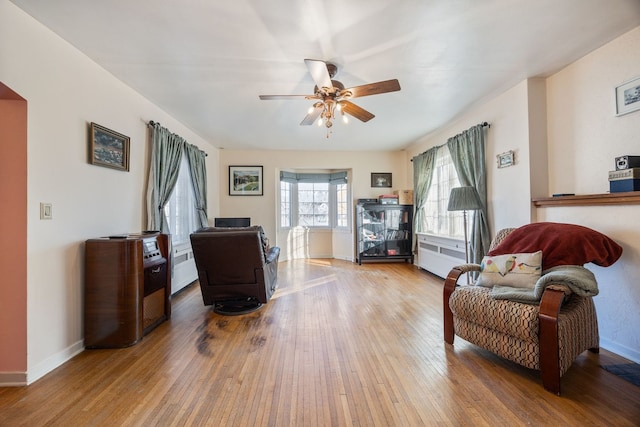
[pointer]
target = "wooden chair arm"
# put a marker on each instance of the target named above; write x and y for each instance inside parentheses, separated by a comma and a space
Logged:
(550, 304)
(467, 267)
(450, 284)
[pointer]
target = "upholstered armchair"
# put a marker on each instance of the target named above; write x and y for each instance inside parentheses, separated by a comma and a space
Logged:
(532, 302)
(237, 269)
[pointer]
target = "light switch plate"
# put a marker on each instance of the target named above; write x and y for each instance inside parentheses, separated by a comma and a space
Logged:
(46, 211)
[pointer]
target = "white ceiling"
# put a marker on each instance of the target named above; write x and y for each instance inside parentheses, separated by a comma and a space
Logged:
(206, 62)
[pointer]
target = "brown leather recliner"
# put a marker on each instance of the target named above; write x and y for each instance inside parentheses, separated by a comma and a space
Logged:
(237, 269)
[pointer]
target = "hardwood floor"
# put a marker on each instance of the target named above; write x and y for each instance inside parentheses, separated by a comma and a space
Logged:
(339, 344)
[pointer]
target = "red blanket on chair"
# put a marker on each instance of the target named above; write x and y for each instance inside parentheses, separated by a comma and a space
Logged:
(561, 244)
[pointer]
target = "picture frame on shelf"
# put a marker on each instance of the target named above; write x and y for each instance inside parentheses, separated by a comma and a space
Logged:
(380, 179)
(506, 159)
(108, 148)
(628, 97)
(245, 181)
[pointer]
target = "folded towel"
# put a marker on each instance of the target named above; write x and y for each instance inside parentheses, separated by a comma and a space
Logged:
(580, 280)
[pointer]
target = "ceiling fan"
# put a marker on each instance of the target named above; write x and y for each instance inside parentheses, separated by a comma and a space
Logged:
(331, 95)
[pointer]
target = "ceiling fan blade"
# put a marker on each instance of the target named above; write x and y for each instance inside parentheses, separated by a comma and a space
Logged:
(312, 116)
(355, 111)
(268, 97)
(319, 73)
(374, 88)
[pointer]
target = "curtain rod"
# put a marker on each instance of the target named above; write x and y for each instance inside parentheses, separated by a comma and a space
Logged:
(152, 123)
(483, 124)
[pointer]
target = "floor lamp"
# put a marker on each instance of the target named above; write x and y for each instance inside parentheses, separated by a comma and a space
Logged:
(464, 199)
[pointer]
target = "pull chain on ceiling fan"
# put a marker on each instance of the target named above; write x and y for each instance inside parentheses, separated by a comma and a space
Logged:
(332, 97)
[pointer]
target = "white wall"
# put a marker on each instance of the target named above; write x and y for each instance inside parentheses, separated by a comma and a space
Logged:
(585, 136)
(65, 91)
(565, 136)
(263, 209)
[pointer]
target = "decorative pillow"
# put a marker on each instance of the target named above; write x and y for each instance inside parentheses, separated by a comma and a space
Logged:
(521, 270)
(561, 244)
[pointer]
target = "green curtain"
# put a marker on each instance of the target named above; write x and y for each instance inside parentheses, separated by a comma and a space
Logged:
(468, 155)
(198, 171)
(423, 165)
(166, 153)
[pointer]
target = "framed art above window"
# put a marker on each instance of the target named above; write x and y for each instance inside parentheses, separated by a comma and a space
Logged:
(245, 181)
(108, 148)
(628, 97)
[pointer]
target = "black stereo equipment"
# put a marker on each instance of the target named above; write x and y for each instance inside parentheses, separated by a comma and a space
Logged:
(232, 222)
(626, 162)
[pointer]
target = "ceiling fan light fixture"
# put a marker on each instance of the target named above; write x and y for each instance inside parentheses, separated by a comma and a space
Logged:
(332, 96)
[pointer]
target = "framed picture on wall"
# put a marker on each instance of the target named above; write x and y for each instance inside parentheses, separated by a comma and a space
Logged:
(108, 148)
(505, 159)
(628, 97)
(380, 179)
(245, 181)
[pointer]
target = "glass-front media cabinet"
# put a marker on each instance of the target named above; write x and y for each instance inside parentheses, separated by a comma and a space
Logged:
(384, 232)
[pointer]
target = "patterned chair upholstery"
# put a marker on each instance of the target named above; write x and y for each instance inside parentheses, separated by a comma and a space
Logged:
(546, 337)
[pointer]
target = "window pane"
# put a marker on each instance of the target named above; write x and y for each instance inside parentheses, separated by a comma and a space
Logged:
(180, 211)
(309, 204)
(437, 219)
(342, 206)
(305, 220)
(285, 204)
(313, 204)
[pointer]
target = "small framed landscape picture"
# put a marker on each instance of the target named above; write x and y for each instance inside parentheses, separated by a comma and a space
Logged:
(380, 179)
(245, 180)
(108, 148)
(628, 97)
(505, 159)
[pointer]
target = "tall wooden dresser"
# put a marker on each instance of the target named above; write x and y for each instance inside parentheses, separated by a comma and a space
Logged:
(127, 288)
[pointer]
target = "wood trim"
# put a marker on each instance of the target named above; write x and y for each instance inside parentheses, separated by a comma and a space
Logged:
(548, 344)
(626, 198)
(449, 287)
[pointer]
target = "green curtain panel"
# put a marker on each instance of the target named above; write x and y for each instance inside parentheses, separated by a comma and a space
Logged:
(423, 165)
(198, 171)
(468, 155)
(166, 153)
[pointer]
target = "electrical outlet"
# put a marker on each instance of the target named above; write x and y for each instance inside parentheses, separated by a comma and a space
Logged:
(46, 211)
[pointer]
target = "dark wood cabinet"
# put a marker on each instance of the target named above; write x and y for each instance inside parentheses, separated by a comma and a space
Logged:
(384, 232)
(127, 288)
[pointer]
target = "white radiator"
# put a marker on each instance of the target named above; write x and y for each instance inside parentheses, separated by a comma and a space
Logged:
(438, 254)
(184, 268)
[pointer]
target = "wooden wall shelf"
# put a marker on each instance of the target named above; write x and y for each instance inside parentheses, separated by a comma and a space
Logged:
(627, 198)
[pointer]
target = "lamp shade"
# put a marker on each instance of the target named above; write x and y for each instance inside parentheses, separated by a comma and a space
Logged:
(464, 199)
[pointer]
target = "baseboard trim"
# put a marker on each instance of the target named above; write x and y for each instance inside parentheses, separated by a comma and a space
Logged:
(620, 350)
(54, 361)
(13, 379)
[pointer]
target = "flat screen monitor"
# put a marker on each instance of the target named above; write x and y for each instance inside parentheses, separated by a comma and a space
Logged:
(232, 222)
